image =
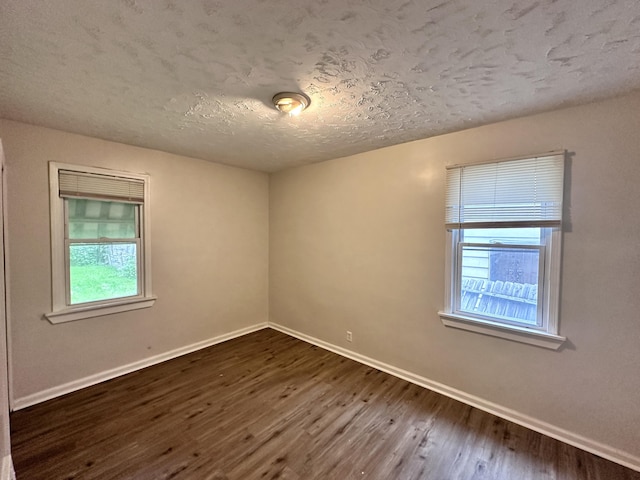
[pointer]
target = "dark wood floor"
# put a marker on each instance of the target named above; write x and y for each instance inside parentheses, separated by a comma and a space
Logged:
(268, 406)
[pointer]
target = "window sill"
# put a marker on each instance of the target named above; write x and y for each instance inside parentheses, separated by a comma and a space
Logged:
(97, 310)
(517, 334)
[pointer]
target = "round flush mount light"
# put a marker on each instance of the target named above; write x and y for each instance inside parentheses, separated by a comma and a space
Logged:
(290, 102)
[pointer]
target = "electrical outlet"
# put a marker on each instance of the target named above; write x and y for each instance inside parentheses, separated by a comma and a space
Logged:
(349, 336)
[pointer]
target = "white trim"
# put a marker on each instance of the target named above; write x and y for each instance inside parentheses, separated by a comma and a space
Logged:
(61, 312)
(54, 392)
(5, 434)
(56, 219)
(6, 469)
(605, 451)
(97, 310)
(146, 235)
(7, 285)
(510, 332)
(552, 153)
(548, 295)
(554, 267)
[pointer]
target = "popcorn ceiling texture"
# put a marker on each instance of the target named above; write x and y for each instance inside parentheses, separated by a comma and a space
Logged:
(196, 78)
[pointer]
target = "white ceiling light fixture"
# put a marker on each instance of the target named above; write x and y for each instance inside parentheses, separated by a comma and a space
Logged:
(290, 102)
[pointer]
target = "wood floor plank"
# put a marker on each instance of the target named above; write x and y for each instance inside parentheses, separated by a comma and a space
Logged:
(268, 406)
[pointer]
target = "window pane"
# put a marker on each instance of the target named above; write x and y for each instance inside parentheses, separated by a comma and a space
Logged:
(100, 219)
(501, 283)
(509, 236)
(102, 271)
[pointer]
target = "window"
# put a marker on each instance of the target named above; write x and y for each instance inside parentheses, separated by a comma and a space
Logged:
(99, 242)
(504, 234)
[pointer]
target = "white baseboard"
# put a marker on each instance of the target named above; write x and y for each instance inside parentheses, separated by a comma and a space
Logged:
(54, 392)
(6, 469)
(602, 450)
(605, 451)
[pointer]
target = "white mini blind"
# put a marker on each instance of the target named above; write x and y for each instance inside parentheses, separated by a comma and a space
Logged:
(509, 193)
(104, 187)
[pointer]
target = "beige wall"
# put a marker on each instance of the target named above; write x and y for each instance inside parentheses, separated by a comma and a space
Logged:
(355, 244)
(358, 244)
(209, 226)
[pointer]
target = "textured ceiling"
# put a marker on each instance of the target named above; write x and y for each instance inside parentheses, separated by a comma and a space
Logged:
(196, 77)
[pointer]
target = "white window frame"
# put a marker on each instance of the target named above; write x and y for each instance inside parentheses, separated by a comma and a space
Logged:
(545, 334)
(62, 311)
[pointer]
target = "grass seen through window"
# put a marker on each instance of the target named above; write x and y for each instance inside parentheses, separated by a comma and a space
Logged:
(102, 271)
